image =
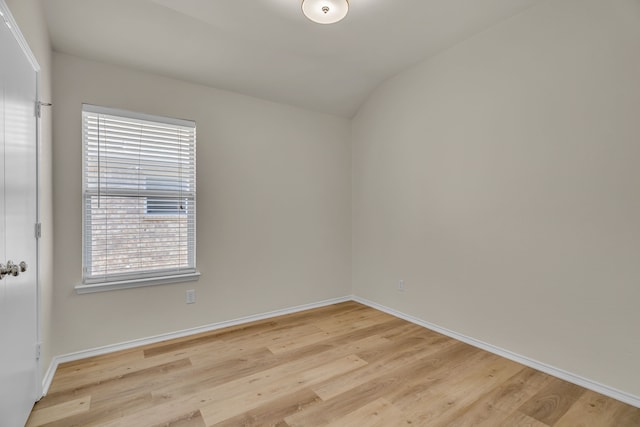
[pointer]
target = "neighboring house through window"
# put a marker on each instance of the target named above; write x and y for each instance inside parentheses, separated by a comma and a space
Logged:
(139, 199)
(163, 206)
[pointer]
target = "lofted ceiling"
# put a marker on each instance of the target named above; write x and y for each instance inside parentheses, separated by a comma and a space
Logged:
(267, 48)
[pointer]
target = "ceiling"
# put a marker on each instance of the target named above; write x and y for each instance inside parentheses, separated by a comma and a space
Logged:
(267, 48)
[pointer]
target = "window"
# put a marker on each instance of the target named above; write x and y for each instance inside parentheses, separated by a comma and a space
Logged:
(139, 199)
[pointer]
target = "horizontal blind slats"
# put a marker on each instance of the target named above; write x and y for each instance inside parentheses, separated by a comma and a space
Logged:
(139, 197)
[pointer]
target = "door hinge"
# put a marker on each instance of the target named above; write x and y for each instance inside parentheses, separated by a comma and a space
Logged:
(39, 106)
(38, 230)
(38, 349)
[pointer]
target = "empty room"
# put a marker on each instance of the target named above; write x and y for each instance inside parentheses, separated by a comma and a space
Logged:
(319, 213)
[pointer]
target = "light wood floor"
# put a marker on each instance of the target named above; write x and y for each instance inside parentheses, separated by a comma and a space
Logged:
(343, 365)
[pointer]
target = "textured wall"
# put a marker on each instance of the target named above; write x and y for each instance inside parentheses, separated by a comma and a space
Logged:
(274, 227)
(499, 179)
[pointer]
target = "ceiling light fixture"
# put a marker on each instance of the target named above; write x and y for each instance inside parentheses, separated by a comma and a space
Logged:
(325, 11)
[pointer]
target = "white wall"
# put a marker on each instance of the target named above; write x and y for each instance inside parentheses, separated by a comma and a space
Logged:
(29, 16)
(274, 226)
(501, 180)
(498, 179)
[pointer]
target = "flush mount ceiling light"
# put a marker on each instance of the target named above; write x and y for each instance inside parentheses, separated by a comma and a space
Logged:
(325, 11)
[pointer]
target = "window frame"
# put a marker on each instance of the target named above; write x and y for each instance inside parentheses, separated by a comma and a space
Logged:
(157, 276)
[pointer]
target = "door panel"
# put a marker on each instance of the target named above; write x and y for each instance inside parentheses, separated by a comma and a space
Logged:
(18, 215)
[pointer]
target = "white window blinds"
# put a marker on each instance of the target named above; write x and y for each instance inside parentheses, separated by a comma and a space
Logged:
(139, 196)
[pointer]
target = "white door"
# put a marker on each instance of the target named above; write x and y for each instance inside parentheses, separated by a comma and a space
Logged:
(18, 215)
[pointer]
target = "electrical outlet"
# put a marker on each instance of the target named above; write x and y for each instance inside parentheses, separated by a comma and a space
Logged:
(401, 285)
(191, 296)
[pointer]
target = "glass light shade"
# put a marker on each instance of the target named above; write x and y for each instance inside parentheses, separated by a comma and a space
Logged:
(325, 11)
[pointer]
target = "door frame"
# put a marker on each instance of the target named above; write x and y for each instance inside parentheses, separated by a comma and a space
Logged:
(7, 19)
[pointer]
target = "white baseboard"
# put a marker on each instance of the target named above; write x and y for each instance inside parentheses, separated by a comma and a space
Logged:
(556, 372)
(57, 360)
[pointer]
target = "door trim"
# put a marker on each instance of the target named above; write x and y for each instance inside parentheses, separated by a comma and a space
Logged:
(13, 26)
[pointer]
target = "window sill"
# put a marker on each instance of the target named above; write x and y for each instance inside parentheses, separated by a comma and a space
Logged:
(137, 283)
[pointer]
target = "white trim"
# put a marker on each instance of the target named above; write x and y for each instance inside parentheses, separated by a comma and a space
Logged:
(543, 367)
(48, 376)
(13, 26)
(57, 360)
(136, 283)
(551, 370)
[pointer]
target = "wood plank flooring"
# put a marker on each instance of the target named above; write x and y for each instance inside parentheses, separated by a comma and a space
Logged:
(342, 365)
